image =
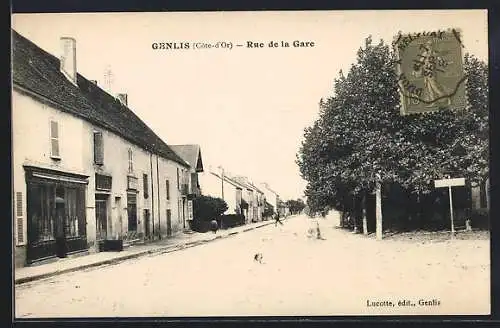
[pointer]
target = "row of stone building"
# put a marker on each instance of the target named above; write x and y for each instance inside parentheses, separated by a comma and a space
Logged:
(86, 169)
(242, 195)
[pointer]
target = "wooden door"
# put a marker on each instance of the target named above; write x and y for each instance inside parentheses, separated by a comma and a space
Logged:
(169, 223)
(101, 215)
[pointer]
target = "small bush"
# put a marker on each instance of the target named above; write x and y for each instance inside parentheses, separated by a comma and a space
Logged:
(200, 226)
(480, 218)
(232, 220)
(268, 210)
(205, 209)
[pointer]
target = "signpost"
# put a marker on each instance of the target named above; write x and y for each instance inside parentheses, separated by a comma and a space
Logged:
(450, 183)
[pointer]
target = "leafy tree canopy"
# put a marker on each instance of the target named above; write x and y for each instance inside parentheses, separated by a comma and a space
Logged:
(295, 206)
(360, 136)
(208, 208)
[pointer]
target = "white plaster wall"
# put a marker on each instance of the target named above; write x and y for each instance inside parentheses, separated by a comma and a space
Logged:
(31, 142)
(116, 165)
(31, 146)
(168, 170)
(212, 186)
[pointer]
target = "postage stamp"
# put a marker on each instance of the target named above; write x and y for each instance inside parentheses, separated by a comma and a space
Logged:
(430, 71)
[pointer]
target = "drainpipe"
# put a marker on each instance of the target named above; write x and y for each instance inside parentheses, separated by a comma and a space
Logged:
(158, 182)
(152, 194)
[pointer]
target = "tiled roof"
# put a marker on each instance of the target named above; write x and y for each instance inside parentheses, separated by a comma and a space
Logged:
(37, 71)
(244, 182)
(240, 185)
(228, 180)
(191, 154)
(255, 187)
(266, 186)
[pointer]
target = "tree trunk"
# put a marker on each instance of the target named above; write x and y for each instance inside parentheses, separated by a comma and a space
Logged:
(365, 221)
(378, 211)
(355, 213)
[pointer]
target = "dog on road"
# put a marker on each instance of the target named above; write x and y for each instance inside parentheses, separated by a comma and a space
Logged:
(258, 257)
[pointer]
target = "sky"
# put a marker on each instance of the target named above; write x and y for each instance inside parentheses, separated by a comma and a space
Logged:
(246, 107)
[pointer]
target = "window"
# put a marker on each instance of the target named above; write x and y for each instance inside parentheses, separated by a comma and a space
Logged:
(103, 182)
(180, 210)
(55, 209)
(19, 218)
(54, 140)
(130, 161)
(178, 182)
(98, 148)
(146, 185)
(72, 226)
(190, 209)
(132, 183)
(168, 189)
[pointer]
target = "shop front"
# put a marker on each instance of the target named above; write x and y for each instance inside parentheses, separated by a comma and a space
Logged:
(56, 224)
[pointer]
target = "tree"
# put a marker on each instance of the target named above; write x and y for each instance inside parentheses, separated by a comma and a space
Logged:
(295, 206)
(268, 210)
(360, 135)
(206, 208)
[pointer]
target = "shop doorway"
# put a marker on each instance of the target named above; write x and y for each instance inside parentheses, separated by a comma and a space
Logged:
(101, 215)
(169, 223)
(147, 229)
(132, 212)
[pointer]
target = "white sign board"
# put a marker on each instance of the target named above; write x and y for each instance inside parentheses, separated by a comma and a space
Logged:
(449, 182)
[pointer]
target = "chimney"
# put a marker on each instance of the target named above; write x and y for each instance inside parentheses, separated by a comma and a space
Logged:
(68, 58)
(123, 98)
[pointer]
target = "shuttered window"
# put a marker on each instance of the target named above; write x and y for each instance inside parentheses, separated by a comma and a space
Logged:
(190, 209)
(145, 185)
(98, 148)
(178, 181)
(54, 139)
(19, 218)
(168, 189)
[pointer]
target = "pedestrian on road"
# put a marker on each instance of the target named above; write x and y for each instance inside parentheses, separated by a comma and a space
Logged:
(318, 232)
(277, 219)
(214, 226)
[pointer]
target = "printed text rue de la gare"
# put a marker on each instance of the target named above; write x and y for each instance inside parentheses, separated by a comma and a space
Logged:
(229, 45)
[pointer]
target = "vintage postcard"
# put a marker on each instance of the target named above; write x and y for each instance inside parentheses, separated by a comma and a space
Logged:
(294, 163)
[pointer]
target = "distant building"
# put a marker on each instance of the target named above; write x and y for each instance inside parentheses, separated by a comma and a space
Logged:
(213, 184)
(254, 197)
(192, 155)
(270, 196)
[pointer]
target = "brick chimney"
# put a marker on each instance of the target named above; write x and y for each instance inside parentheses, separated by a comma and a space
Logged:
(68, 58)
(123, 98)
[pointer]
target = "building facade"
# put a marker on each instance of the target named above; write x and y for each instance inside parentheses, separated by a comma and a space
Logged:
(270, 196)
(85, 168)
(212, 184)
(192, 155)
(254, 197)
